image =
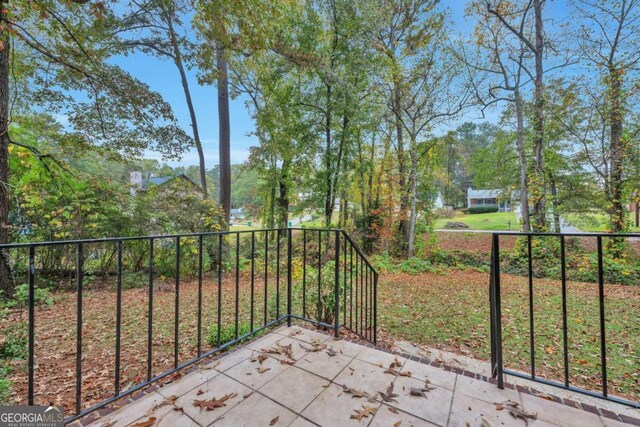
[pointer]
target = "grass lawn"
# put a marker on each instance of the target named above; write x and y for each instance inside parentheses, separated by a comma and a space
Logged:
(488, 221)
(596, 222)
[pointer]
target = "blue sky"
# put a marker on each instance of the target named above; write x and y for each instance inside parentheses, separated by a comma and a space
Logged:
(162, 76)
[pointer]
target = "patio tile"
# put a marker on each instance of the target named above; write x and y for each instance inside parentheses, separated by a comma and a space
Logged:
(229, 360)
(345, 347)
(249, 372)
(485, 391)
(556, 413)
(364, 376)
(320, 363)
(256, 410)
(385, 418)
(333, 407)
(295, 388)
(436, 376)
(434, 408)
(187, 383)
(303, 334)
(469, 412)
(301, 422)
(215, 388)
(377, 357)
(129, 413)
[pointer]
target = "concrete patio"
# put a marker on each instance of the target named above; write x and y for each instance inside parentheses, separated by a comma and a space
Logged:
(297, 377)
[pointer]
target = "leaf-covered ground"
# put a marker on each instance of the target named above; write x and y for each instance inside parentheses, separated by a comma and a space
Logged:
(447, 311)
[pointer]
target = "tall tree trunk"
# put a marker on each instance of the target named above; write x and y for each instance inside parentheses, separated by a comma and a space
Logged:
(538, 121)
(414, 198)
(177, 59)
(283, 199)
(225, 132)
(617, 150)
(402, 167)
(522, 156)
(556, 204)
(328, 204)
(6, 280)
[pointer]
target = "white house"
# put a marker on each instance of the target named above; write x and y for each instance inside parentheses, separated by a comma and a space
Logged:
(491, 198)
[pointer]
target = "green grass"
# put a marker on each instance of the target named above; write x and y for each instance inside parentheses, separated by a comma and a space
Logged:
(596, 222)
(489, 221)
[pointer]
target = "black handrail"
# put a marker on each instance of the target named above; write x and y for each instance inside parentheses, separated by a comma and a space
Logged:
(497, 362)
(355, 273)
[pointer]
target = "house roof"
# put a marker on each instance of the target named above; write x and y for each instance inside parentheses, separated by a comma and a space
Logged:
(483, 194)
(161, 180)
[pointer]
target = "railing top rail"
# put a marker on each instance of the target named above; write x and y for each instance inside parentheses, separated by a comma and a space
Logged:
(569, 234)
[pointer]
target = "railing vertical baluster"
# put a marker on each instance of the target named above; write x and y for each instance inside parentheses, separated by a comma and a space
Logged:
(565, 338)
(219, 320)
(237, 308)
(118, 314)
(492, 317)
(362, 325)
(336, 288)
(200, 270)
(150, 316)
(253, 275)
(304, 273)
(498, 310)
(344, 294)
(32, 340)
(371, 303)
(375, 308)
(365, 331)
(79, 268)
(531, 320)
(176, 326)
(357, 282)
(351, 287)
(289, 277)
(278, 274)
(319, 275)
(266, 272)
(603, 341)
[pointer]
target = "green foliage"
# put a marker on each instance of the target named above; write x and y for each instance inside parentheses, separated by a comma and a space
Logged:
(15, 342)
(5, 385)
(482, 209)
(228, 333)
(41, 296)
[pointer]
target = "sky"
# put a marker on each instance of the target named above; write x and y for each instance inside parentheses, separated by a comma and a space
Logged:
(162, 76)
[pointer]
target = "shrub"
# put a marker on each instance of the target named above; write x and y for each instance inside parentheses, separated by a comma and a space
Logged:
(14, 344)
(5, 385)
(482, 209)
(415, 266)
(228, 333)
(21, 296)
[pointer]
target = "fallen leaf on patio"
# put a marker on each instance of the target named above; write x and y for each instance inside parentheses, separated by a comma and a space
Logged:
(393, 410)
(397, 423)
(354, 392)
(247, 395)
(415, 391)
(168, 401)
(199, 392)
(214, 403)
(109, 423)
(389, 395)
(543, 396)
(405, 374)
(259, 358)
(331, 352)
(516, 411)
(315, 346)
(275, 420)
(262, 370)
(363, 413)
(395, 364)
(212, 366)
(484, 422)
(147, 423)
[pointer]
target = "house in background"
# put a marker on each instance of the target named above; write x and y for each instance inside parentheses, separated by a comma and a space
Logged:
(487, 198)
(138, 183)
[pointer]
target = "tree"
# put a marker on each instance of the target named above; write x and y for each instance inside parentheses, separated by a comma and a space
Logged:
(156, 28)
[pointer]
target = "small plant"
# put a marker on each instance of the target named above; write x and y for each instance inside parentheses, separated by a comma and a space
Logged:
(415, 265)
(5, 385)
(227, 333)
(42, 296)
(14, 344)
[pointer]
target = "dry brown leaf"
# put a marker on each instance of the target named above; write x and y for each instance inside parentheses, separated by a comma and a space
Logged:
(247, 395)
(262, 370)
(484, 422)
(146, 423)
(168, 401)
(389, 395)
(354, 392)
(393, 410)
(397, 423)
(199, 392)
(214, 403)
(516, 411)
(273, 421)
(363, 413)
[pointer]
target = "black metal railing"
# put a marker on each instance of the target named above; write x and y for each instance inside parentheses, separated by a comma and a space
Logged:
(496, 313)
(314, 275)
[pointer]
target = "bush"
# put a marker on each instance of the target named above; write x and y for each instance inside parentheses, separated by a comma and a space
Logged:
(42, 296)
(416, 266)
(15, 341)
(482, 209)
(228, 334)
(5, 385)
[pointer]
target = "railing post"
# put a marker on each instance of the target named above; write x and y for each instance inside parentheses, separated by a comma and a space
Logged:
(375, 308)
(336, 288)
(32, 340)
(492, 321)
(289, 256)
(497, 311)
